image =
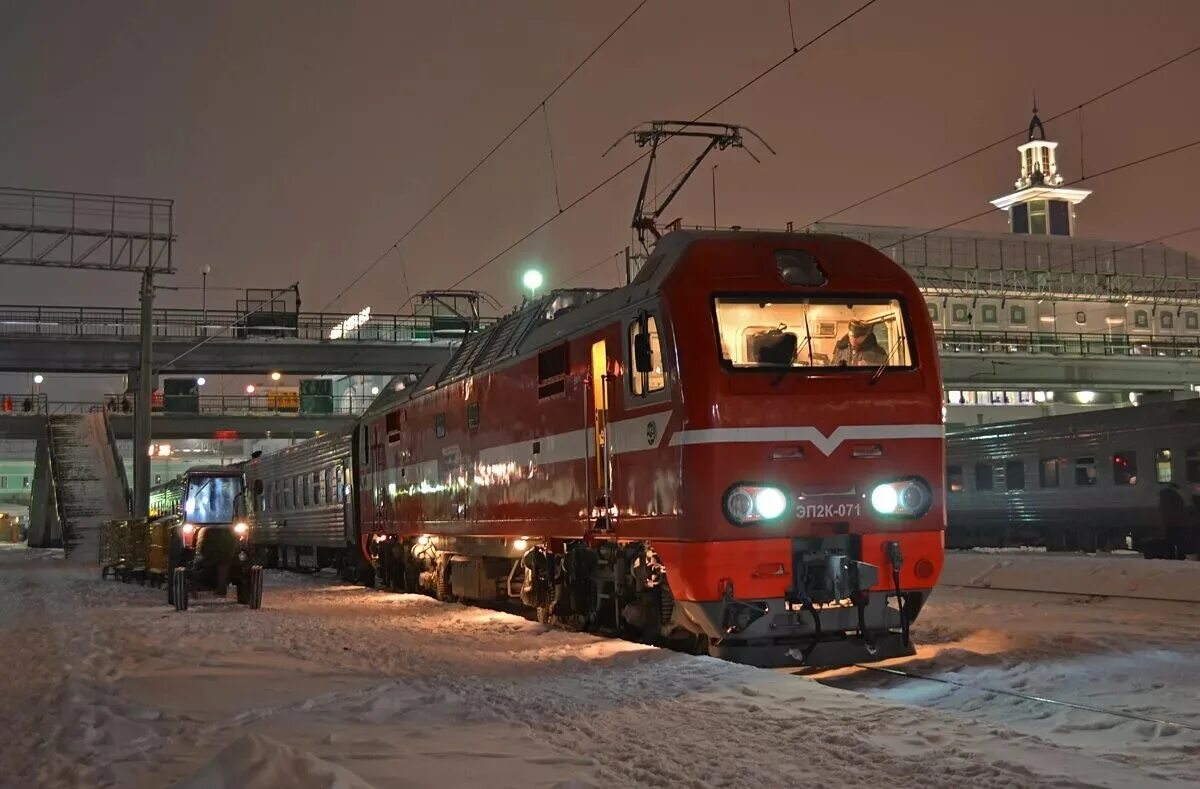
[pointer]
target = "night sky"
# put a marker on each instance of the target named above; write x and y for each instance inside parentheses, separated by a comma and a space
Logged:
(300, 139)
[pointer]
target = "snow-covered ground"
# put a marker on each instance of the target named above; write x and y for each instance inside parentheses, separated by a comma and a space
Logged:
(335, 686)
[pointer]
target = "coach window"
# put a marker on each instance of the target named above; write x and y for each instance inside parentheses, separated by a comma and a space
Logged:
(1192, 464)
(340, 491)
(645, 365)
(1048, 472)
(1125, 468)
(983, 476)
(439, 425)
(954, 479)
(1085, 471)
(1014, 475)
(1162, 466)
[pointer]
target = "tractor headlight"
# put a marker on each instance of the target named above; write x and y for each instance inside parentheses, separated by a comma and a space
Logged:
(748, 503)
(902, 498)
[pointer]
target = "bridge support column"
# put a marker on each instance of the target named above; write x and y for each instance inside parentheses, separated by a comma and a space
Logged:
(142, 404)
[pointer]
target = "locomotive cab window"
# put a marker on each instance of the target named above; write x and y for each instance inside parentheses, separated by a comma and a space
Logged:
(1085, 471)
(645, 352)
(791, 332)
(1125, 468)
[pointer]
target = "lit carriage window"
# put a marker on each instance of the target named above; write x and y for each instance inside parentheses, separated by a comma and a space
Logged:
(1048, 472)
(655, 380)
(439, 425)
(867, 332)
(983, 476)
(1014, 475)
(1085, 471)
(1124, 468)
(472, 416)
(1192, 464)
(954, 479)
(1162, 466)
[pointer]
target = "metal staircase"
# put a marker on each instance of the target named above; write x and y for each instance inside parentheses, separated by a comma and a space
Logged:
(89, 479)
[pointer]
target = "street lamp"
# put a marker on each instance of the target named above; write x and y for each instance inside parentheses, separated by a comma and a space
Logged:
(532, 280)
(374, 390)
(37, 379)
(201, 381)
(275, 376)
(249, 388)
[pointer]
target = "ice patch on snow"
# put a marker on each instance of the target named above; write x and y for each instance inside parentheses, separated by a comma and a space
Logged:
(258, 762)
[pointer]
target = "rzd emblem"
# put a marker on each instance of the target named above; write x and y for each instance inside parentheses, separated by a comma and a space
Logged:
(651, 432)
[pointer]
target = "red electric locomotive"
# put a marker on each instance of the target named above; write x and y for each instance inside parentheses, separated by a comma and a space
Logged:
(742, 450)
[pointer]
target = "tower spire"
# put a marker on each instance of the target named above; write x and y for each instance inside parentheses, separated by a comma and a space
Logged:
(1041, 205)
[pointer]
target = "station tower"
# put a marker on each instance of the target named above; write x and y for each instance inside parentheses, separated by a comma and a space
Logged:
(1041, 206)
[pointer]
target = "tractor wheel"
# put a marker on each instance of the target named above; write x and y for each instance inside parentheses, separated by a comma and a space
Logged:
(179, 588)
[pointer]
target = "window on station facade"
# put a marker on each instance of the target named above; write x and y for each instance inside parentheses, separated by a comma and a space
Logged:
(1141, 319)
(1080, 318)
(933, 311)
(1014, 475)
(1125, 468)
(1191, 320)
(983, 476)
(1085, 471)
(1016, 315)
(960, 314)
(1167, 320)
(1038, 222)
(990, 314)
(1162, 466)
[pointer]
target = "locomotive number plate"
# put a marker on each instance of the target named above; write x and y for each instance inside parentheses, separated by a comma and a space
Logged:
(844, 510)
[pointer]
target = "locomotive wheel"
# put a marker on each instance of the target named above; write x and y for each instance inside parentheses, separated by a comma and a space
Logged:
(179, 588)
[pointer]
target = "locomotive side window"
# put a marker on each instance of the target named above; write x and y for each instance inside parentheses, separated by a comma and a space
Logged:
(1014, 475)
(472, 416)
(552, 373)
(392, 423)
(954, 478)
(439, 425)
(1048, 471)
(642, 382)
(804, 332)
(983, 476)
(1162, 466)
(1085, 471)
(1124, 468)
(1192, 463)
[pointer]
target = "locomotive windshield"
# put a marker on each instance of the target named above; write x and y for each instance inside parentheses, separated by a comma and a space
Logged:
(807, 332)
(210, 498)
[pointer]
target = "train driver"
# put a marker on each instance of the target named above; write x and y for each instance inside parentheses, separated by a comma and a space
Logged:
(859, 347)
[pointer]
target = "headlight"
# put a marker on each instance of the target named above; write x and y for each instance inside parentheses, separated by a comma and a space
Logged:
(189, 529)
(241, 529)
(902, 498)
(745, 504)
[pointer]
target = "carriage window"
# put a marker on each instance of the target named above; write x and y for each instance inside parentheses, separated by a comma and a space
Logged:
(655, 380)
(954, 479)
(798, 332)
(1085, 471)
(1167, 320)
(1192, 463)
(1014, 475)
(340, 490)
(552, 371)
(1048, 472)
(1125, 468)
(1162, 466)
(983, 476)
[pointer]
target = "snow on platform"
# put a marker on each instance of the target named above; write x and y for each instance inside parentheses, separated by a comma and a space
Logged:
(337, 686)
(1103, 574)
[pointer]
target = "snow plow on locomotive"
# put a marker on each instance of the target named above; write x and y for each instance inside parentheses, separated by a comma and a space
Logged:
(203, 543)
(741, 451)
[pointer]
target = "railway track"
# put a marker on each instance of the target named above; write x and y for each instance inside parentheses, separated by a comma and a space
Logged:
(895, 672)
(1068, 594)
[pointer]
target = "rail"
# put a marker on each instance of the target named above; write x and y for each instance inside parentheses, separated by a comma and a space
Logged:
(188, 324)
(23, 404)
(1067, 344)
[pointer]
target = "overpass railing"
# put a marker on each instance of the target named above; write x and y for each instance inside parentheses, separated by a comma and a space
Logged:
(25, 403)
(261, 404)
(186, 324)
(1067, 344)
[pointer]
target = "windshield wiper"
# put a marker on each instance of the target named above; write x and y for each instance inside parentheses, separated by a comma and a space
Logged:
(886, 360)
